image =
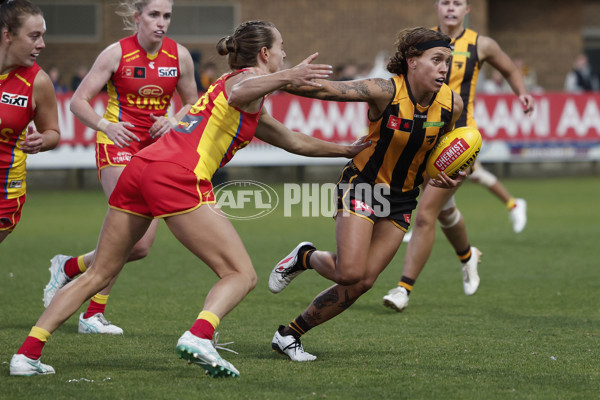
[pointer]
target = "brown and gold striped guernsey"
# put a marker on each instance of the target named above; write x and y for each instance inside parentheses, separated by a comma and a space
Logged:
(463, 73)
(402, 138)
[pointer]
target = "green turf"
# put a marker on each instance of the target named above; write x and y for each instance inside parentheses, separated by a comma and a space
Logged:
(531, 331)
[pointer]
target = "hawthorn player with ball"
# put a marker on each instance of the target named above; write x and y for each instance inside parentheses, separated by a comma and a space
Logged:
(378, 189)
(470, 50)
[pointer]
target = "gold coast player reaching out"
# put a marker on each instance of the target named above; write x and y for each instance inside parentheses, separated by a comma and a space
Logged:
(142, 72)
(171, 179)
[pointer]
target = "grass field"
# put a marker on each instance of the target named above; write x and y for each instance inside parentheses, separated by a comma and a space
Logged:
(532, 331)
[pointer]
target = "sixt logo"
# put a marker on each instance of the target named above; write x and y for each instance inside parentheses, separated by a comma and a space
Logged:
(167, 72)
(14, 99)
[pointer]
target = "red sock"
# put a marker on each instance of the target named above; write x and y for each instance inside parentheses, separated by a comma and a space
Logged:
(203, 329)
(32, 348)
(94, 308)
(71, 268)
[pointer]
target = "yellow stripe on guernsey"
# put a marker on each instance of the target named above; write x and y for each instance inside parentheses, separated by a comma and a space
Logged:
(464, 72)
(112, 112)
(216, 140)
(23, 79)
(17, 171)
(169, 54)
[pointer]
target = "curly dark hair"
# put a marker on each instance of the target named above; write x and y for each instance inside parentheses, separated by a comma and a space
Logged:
(405, 44)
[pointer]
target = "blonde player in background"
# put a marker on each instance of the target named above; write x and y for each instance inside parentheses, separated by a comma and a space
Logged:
(469, 51)
(142, 72)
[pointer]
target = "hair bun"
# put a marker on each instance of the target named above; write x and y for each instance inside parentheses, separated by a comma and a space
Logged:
(230, 44)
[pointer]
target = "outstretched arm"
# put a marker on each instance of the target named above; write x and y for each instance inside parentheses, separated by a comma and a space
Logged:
(257, 83)
(376, 92)
(274, 132)
(492, 53)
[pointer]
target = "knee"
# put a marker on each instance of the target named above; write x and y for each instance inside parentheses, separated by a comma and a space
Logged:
(483, 177)
(252, 280)
(364, 286)
(139, 251)
(246, 277)
(424, 220)
(449, 217)
(348, 274)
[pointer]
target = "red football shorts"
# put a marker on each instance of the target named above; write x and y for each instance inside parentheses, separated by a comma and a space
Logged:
(10, 212)
(108, 155)
(158, 189)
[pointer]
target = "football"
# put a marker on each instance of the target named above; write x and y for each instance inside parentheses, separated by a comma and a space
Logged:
(454, 152)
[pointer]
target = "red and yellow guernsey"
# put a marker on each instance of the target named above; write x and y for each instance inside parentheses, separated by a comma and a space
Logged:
(208, 136)
(16, 112)
(143, 84)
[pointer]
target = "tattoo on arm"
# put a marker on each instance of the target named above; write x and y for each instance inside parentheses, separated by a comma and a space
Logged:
(360, 90)
(385, 85)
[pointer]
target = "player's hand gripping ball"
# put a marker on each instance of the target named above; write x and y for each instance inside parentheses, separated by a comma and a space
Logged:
(455, 151)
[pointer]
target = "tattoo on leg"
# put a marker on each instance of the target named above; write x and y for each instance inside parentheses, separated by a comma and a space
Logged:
(347, 301)
(313, 319)
(327, 298)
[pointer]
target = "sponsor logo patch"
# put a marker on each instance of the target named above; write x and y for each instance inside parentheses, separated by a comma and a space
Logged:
(361, 206)
(15, 184)
(400, 124)
(188, 124)
(14, 99)
(167, 72)
(151, 91)
(139, 72)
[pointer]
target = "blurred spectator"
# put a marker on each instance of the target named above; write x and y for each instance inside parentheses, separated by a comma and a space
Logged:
(208, 76)
(363, 71)
(581, 78)
(495, 84)
(54, 74)
(80, 73)
(197, 59)
(380, 66)
(347, 71)
(529, 77)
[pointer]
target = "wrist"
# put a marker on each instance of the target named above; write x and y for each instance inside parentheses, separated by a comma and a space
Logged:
(103, 124)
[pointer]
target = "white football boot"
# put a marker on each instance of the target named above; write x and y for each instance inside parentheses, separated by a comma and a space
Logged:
(97, 323)
(202, 352)
(518, 215)
(290, 346)
(287, 269)
(21, 365)
(397, 299)
(58, 278)
(469, 272)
